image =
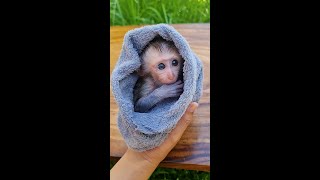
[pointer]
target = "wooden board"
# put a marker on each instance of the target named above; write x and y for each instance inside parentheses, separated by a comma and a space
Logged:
(193, 149)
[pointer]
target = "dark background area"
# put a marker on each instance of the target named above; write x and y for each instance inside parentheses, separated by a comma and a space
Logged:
(56, 90)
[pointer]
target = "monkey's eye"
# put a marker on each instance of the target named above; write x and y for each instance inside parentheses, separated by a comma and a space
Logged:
(175, 62)
(161, 66)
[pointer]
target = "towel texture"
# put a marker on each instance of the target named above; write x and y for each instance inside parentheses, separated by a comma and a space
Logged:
(144, 131)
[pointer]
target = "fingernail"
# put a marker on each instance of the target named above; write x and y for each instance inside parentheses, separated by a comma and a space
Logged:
(193, 108)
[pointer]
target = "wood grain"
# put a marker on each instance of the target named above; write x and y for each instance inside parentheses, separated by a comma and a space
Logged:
(193, 149)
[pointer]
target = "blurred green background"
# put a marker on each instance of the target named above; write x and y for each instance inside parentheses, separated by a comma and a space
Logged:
(175, 174)
(139, 12)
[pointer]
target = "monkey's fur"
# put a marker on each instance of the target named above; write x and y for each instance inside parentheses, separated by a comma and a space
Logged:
(160, 74)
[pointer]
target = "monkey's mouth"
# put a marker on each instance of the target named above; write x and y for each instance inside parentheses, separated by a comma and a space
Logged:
(169, 81)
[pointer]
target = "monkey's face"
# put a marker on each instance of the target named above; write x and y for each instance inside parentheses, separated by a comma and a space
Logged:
(165, 67)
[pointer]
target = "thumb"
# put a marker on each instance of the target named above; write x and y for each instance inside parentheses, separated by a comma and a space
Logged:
(187, 117)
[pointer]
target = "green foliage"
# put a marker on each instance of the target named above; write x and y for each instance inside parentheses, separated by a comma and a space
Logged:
(137, 12)
(179, 174)
(176, 174)
(112, 163)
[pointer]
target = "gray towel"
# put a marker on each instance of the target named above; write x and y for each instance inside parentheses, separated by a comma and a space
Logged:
(144, 131)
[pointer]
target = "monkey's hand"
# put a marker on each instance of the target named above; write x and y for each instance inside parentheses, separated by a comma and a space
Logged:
(169, 90)
(144, 104)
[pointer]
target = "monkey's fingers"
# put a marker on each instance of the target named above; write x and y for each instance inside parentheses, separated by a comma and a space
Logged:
(174, 93)
(175, 87)
(180, 85)
(178, 82)
(179, 89)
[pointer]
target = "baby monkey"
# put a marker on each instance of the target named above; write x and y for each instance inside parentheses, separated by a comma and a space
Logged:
(160, 74)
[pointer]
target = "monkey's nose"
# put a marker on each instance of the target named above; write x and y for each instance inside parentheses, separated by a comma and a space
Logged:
(170, 76)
